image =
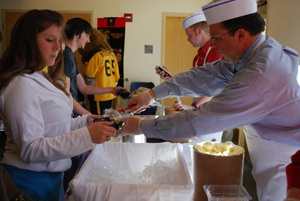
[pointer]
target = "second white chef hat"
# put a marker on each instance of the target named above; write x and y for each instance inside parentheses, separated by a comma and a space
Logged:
(219, 11)
(193, 19)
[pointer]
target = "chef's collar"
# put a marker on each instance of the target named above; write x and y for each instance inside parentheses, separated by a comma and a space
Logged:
(205, 47)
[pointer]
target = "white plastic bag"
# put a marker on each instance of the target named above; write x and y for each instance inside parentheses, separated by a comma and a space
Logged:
(134, 172)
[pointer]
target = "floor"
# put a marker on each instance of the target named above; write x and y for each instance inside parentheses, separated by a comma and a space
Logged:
(248, 181)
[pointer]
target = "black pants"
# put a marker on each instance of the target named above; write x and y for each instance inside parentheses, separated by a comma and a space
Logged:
(103, 105)
(70, 173)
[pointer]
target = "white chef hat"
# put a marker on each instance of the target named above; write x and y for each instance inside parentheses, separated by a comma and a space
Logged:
(219, 11)
(193, 19)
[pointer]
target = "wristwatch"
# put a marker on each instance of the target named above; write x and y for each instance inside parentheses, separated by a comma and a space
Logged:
(194, 105)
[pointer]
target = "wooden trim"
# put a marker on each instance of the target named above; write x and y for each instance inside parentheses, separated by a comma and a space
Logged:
(79, 12)
(4, 11)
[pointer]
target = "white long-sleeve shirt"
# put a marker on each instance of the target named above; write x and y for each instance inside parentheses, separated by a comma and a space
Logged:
(41, 135)
(263, 93)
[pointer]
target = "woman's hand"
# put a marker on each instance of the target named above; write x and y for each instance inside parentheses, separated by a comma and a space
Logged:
(92, 117)
(101, 132)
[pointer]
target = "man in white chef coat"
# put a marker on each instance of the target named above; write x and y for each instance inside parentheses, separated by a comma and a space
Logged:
(255, 86)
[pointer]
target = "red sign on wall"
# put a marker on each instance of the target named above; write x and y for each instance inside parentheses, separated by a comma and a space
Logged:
(111, 22)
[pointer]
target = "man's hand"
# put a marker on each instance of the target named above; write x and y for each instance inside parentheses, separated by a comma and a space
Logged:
(141, 101)
(115, 90)
(131, 127)
(162, 74)
(181, 107)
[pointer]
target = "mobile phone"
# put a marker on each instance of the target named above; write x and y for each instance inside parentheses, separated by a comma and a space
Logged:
(162, 68)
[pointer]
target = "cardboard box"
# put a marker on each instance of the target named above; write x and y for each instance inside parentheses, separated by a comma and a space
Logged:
(215, 170)
(134, 172)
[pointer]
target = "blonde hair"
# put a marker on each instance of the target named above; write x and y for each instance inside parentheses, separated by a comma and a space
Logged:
(203, 25)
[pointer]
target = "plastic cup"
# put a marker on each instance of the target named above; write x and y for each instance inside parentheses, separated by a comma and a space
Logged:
(226, 193)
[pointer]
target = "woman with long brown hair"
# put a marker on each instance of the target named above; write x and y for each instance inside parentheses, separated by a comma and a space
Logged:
(36, 109)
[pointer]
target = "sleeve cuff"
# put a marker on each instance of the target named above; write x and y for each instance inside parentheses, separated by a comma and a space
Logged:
(87, 138)
(160, 91)
(145, 127)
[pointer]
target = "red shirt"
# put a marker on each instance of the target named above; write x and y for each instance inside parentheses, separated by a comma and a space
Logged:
(212, 55)
(293, 171)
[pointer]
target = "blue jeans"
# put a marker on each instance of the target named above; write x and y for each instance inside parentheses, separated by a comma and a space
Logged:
(43, 186)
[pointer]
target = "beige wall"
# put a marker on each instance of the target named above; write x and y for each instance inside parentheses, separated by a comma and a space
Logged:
(282, 19)
(283, 22)
(144, 30)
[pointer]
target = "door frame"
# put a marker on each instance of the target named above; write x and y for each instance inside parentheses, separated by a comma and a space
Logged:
(63, 12)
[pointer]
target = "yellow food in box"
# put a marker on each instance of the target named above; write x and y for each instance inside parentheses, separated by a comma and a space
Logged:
(219, 149)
